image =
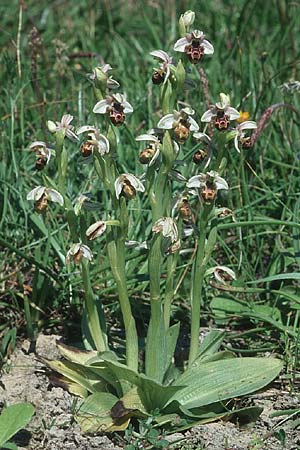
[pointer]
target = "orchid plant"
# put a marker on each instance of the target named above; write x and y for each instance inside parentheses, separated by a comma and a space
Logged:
(116, 385)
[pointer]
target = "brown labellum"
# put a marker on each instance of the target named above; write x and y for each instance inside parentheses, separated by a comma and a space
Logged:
(146, 155)
(40, 163)
(209, 192)
(128, 191)
(199, 156)
(182, 131)
(246, 142)
(222, 121)
(184, 210)
(194, 51)
(158, 77)
(86, 149)
(116, 114)
(41, 204)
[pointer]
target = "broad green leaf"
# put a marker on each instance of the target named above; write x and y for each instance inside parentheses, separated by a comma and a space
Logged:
(215, 357)
(222, 306)
(69, 385)
(155, 395)
(156, 351)
(94, 413)
(74, 354)
(152, 394)
(244, 415)
(14, 418)
(84, 376)
(221, 380)
(132, 401)
(9, 446)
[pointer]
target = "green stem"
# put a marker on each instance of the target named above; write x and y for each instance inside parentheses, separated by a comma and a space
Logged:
(97, 331)
(117, 261)
(197, 283)
(169, 294)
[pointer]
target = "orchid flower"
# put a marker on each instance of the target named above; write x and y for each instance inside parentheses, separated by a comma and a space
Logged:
(116, 106)
(222, 274)
(95, 230)
(127, 184)
(64, 126)
(100, 74)
(162, 74)
(41, 195)
(194, 45)
(202, 155)
(221, 113)
(97, 141)
(209, 183)
(77, 252)
(240, 134)
(43, 154)
(181, 122)
(167, 226)
(151, 153)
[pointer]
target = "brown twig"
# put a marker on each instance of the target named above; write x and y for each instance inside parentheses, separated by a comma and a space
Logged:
(35, 43)
(264, 119)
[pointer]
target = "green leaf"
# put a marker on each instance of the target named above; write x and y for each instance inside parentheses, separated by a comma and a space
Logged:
(180, 76)
(223, 306)
(74, 354)
(84, 376)
(172, 337)
(221, 380)
(168, 151)
(281, 276)
(14, 418)
(94, 413)
(156, 360)
(155, 395)
(296, 239)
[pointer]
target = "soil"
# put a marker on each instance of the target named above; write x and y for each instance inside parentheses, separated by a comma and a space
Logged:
(24, 378)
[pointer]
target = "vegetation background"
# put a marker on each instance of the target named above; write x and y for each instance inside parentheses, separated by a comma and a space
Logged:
(47, 48)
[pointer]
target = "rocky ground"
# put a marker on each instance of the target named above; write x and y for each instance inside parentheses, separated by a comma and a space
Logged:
(23, 378)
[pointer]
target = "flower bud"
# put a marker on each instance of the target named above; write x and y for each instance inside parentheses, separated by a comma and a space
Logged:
(186, 21)
(51, 126)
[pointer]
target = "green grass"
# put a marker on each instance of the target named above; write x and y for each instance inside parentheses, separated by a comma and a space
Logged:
(255, 52)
